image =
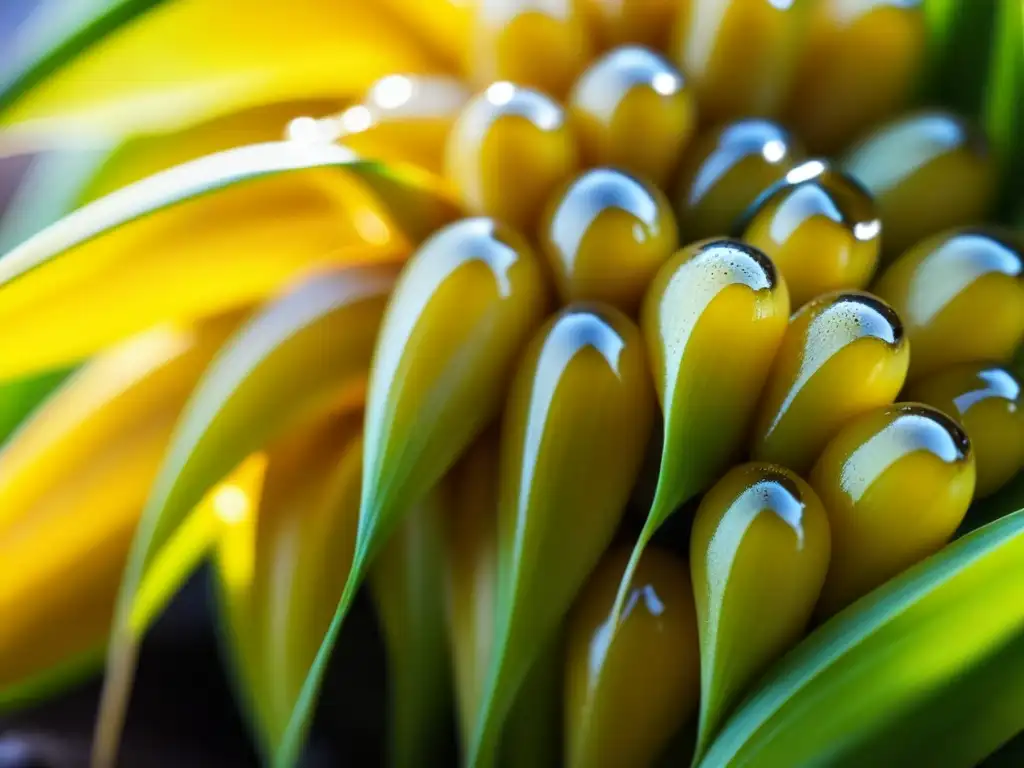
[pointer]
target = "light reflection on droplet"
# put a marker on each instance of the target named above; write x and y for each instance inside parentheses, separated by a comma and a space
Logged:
(804, 171)
(500, 94)
(867, 230)
(774, 151)
(356, 119)
(231, 504)
(393, 91)
(665, 83)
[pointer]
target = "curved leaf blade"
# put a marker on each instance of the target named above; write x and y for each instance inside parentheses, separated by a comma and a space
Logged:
(74, 479)
(902, 652)
(281, 565)
(168, 248)
(406, 582)
(273, 375)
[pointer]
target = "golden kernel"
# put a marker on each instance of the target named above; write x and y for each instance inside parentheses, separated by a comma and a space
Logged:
(961, 297)
(843, 354)
(508, 151)
(896, 483)
(927, 172)
(632, 109)
(606, 234)
(725, 172)
(820, 228)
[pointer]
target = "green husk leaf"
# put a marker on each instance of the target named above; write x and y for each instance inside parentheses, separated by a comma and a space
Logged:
(1003, 113)
(959, 35)
(926, 670)
(407, 583)
(59, 32)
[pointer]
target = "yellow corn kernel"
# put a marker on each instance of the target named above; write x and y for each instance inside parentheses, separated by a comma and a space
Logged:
(509, 149)
(961, 298)
(896, 483)
(628, 689)
(644, 22)
(821, 230)
(632, 109)
(843, 354)
(860, 61)
(986, 400)
(542, 45)
(726, 170)
(461, 312)
(927, 171)
(577, 423)
(758, 553)
(740, 55)
(605, 236)
(713, 319)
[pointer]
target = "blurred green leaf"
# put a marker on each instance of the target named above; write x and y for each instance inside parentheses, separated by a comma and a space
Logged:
(959, 34)
(407, 583)
(270, 377)
(1003, 113)
(18, 398)
(926, 670)
(60, 31)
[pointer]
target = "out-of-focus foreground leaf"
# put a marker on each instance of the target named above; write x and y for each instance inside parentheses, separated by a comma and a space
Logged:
(74, 479)
(18, 398)
(407, 583)
(67, 172)
(531, 732)
(302, 357)
(1003, 113)
(135, 66)
(959, 34)
(196, 240)
(928, 669)
(976, 68)
(281, 562)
